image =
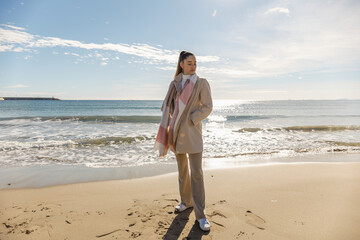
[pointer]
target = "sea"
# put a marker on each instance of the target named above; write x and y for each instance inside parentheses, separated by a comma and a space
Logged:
(121, 133)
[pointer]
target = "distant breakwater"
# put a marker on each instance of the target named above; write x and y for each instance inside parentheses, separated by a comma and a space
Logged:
(28, 98)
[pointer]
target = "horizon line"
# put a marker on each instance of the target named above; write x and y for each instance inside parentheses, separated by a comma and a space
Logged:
(229, 99)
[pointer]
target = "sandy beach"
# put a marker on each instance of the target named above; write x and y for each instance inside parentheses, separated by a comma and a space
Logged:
(287, 201)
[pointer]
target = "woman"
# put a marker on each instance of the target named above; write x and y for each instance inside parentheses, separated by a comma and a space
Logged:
(187, 102)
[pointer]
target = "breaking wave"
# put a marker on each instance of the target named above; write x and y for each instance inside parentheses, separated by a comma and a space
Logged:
(320, 128)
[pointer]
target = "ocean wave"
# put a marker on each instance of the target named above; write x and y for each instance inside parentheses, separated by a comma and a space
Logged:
(152, 118)
(291, 152)
(347, 144)
(111, 140)
(135, 118)
(320, 128)
(239, 118)
(243, 154)
(77, 143)
(326, 128)
(47, 158)
(97, 119)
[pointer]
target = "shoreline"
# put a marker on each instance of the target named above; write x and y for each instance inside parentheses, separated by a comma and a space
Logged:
(54, 175)
(286, 201)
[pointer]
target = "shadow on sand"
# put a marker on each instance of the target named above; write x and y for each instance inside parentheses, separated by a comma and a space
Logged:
(178, 225)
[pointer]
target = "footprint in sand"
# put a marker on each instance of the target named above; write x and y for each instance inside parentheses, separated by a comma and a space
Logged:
(219, 202)
(142, 214)
(137, 216)
(217, 218)
(255, 220)
(134, 225)
(243, 235)
(26, 219)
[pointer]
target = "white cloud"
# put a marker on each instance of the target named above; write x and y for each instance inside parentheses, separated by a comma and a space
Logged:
(206, 59)
(14, 35)
(214, 13)
(10, 36)
(167, 68)
(13, 27)
(228, 72)
(278, 10)
(18, 86)
(219, 72)
(6, 48)
(18, 49)
(317, 37)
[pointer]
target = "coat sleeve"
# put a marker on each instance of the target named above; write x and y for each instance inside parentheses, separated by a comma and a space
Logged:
(206, 104)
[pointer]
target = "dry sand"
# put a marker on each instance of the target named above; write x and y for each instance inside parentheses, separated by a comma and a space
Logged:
(290, 201)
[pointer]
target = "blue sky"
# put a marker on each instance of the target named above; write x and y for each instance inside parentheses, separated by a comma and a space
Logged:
(250, 50)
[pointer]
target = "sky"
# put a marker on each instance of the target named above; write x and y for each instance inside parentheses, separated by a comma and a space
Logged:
(246, 49)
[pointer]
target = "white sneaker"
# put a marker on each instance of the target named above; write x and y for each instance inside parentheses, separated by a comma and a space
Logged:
(181, 207)
(204, 224)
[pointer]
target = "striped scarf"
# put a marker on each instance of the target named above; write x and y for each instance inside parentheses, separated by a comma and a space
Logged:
(171, 115)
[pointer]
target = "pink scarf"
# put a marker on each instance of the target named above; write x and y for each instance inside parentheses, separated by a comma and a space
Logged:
(172, 112)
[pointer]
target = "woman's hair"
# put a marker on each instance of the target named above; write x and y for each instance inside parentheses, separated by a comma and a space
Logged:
(183, 55)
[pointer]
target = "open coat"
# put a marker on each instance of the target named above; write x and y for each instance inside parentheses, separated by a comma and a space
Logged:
(188, 134)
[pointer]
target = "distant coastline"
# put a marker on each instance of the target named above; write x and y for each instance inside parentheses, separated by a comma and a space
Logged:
(27, 98)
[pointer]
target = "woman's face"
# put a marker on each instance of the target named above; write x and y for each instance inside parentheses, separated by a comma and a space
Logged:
(189, 65)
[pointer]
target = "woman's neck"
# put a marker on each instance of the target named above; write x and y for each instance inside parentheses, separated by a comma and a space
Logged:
(189, 74)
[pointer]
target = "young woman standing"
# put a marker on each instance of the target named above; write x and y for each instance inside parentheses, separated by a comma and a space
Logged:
(187, 102)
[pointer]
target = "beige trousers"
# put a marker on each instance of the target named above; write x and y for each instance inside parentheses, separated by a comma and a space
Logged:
(192, 190)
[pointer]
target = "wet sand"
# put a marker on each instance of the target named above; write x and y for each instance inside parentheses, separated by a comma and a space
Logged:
(57, 174)
(287, 201)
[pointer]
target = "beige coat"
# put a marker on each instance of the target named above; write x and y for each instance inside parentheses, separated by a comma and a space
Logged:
(189, 131)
